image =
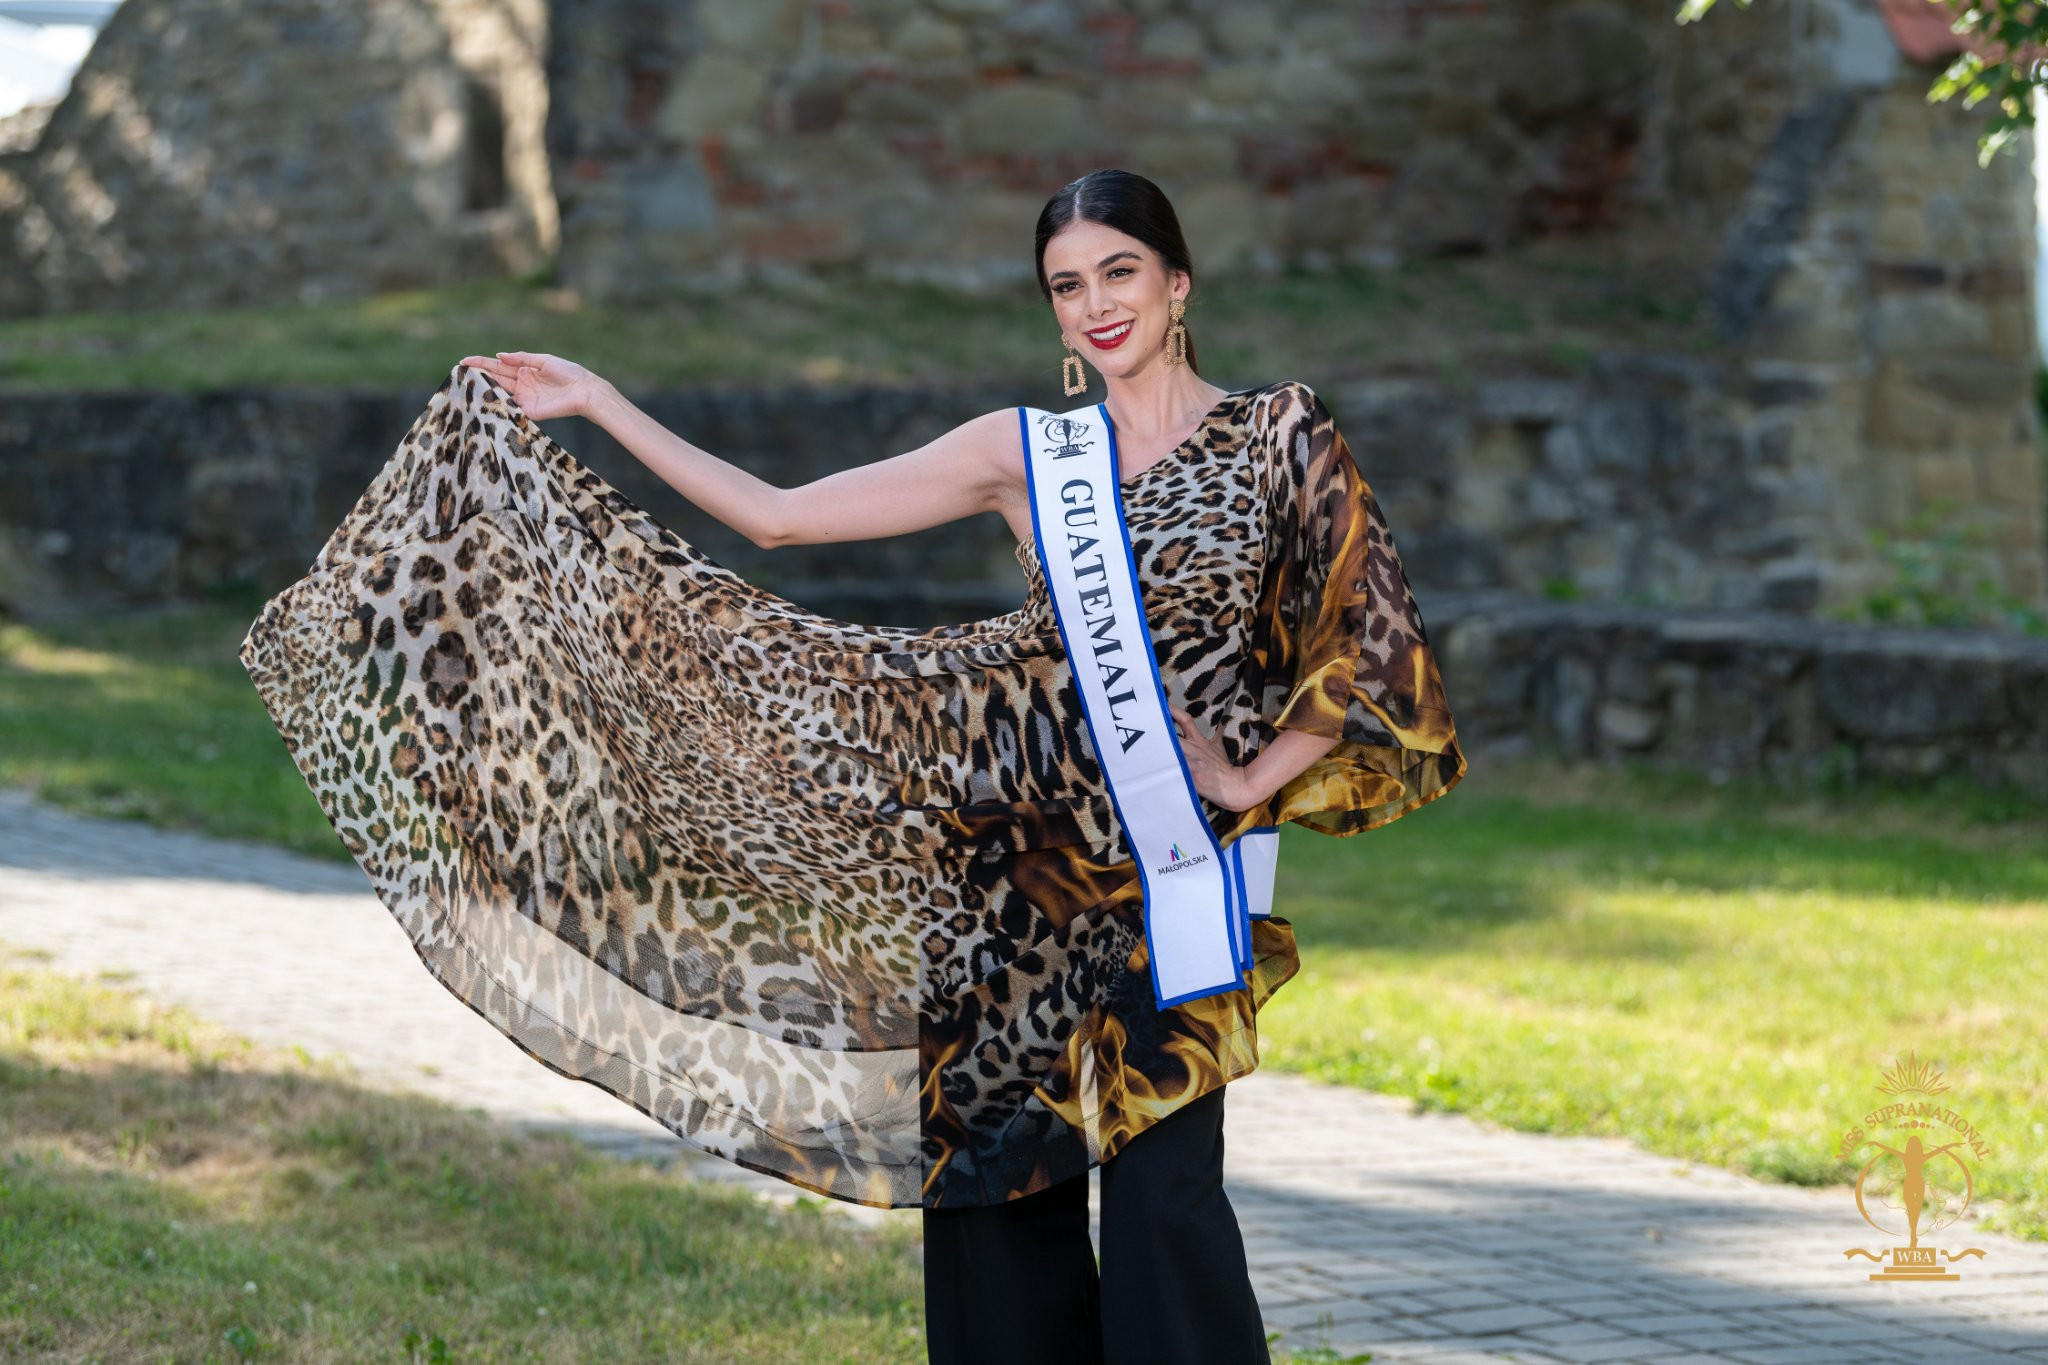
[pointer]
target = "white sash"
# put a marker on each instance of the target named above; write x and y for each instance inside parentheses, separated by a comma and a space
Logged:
(1198, 902)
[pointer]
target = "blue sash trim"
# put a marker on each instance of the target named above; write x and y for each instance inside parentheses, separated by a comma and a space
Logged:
(1242, 923)
(1240, 919)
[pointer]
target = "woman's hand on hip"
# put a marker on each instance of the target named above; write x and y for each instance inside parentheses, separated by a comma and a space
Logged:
(1216, 777)
(543, 385)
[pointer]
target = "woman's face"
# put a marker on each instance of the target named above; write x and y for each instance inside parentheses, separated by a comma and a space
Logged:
(1108, 284)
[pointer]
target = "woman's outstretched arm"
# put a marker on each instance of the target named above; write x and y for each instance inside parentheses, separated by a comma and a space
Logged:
(956, 475)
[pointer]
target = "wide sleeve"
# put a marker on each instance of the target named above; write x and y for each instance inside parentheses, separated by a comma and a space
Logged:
(1347, 656)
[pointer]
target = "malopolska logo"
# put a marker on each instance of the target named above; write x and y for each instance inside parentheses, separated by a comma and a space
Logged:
(1176, 860)
(1908, 1187)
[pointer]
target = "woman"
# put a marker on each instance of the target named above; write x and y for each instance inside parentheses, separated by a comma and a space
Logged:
(849, 904)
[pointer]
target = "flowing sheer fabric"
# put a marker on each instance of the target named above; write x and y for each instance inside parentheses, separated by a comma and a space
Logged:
(845, 904)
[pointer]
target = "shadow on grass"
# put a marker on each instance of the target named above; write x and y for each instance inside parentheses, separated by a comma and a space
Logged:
(169, 1189)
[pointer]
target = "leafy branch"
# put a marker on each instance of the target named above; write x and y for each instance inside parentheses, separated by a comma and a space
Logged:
(2004, 59)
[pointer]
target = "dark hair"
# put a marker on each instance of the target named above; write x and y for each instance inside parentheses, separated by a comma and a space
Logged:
(1134, 206)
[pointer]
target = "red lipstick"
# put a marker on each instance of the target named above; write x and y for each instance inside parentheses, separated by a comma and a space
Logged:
(1118, 335)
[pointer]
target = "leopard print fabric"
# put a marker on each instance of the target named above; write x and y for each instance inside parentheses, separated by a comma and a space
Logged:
(845, 904)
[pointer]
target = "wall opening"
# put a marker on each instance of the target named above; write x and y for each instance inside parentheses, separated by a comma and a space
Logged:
(485, 182)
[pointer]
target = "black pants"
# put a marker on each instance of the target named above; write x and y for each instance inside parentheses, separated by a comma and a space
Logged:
(1018, 1282)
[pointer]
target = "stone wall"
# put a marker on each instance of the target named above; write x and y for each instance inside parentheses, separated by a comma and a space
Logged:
(1876, 269)
(227, 152)
(1686, 481)
(1649, 480)
(1733, 694)
(700, 143)
(116, 500)
(113, 499)
(1871, 283)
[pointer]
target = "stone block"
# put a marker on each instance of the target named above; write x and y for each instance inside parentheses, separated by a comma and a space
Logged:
(1185, 156)
(1794, 584)
(884, 108)
(826, 169)
(1527, 399)
(1242, 31)
(760, 28)
(1904, 413)
(1233, 85)
(1310, 81)
(2026, 575)
(1222, 219)
(1447, 198)
(1978, 380)
(1944, 474)
(1006, 119)
(990, 223)
(923, 38)
(1899, 229)
(26, 585)
(1815, 333)
(1172, 40)
(1893, 697)
(2009, 324)
(670, 216)
(1913, 324)
(1625, 725)
(2012, 475)
(800, 240)
(718, 92)
(859, 39)
(1332, 215)
(1595, 563)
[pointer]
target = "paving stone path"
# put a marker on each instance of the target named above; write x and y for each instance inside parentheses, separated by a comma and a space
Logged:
(1419, 1237)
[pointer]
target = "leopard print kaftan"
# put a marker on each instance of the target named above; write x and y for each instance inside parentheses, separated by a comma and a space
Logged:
(845, 904)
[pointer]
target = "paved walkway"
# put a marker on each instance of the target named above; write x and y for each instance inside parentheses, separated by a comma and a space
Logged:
(1420, 1237)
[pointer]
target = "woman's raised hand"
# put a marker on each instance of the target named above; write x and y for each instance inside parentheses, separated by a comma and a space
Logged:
(543, 385)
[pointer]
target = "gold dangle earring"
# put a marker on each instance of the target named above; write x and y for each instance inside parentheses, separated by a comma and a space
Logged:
(1072, 376)
(1176, 334)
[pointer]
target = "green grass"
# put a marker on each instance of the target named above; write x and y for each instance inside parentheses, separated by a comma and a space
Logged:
(171, 1192)
(152, 716)
(1721, 974)
(1552, 304)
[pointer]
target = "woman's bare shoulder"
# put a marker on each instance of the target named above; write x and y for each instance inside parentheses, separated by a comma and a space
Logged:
(993, 443)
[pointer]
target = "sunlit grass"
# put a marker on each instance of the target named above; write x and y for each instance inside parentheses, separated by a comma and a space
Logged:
(152, 716)
(1722, 975)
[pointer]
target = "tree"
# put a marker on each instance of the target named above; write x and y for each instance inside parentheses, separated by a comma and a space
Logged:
(2001, 49)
